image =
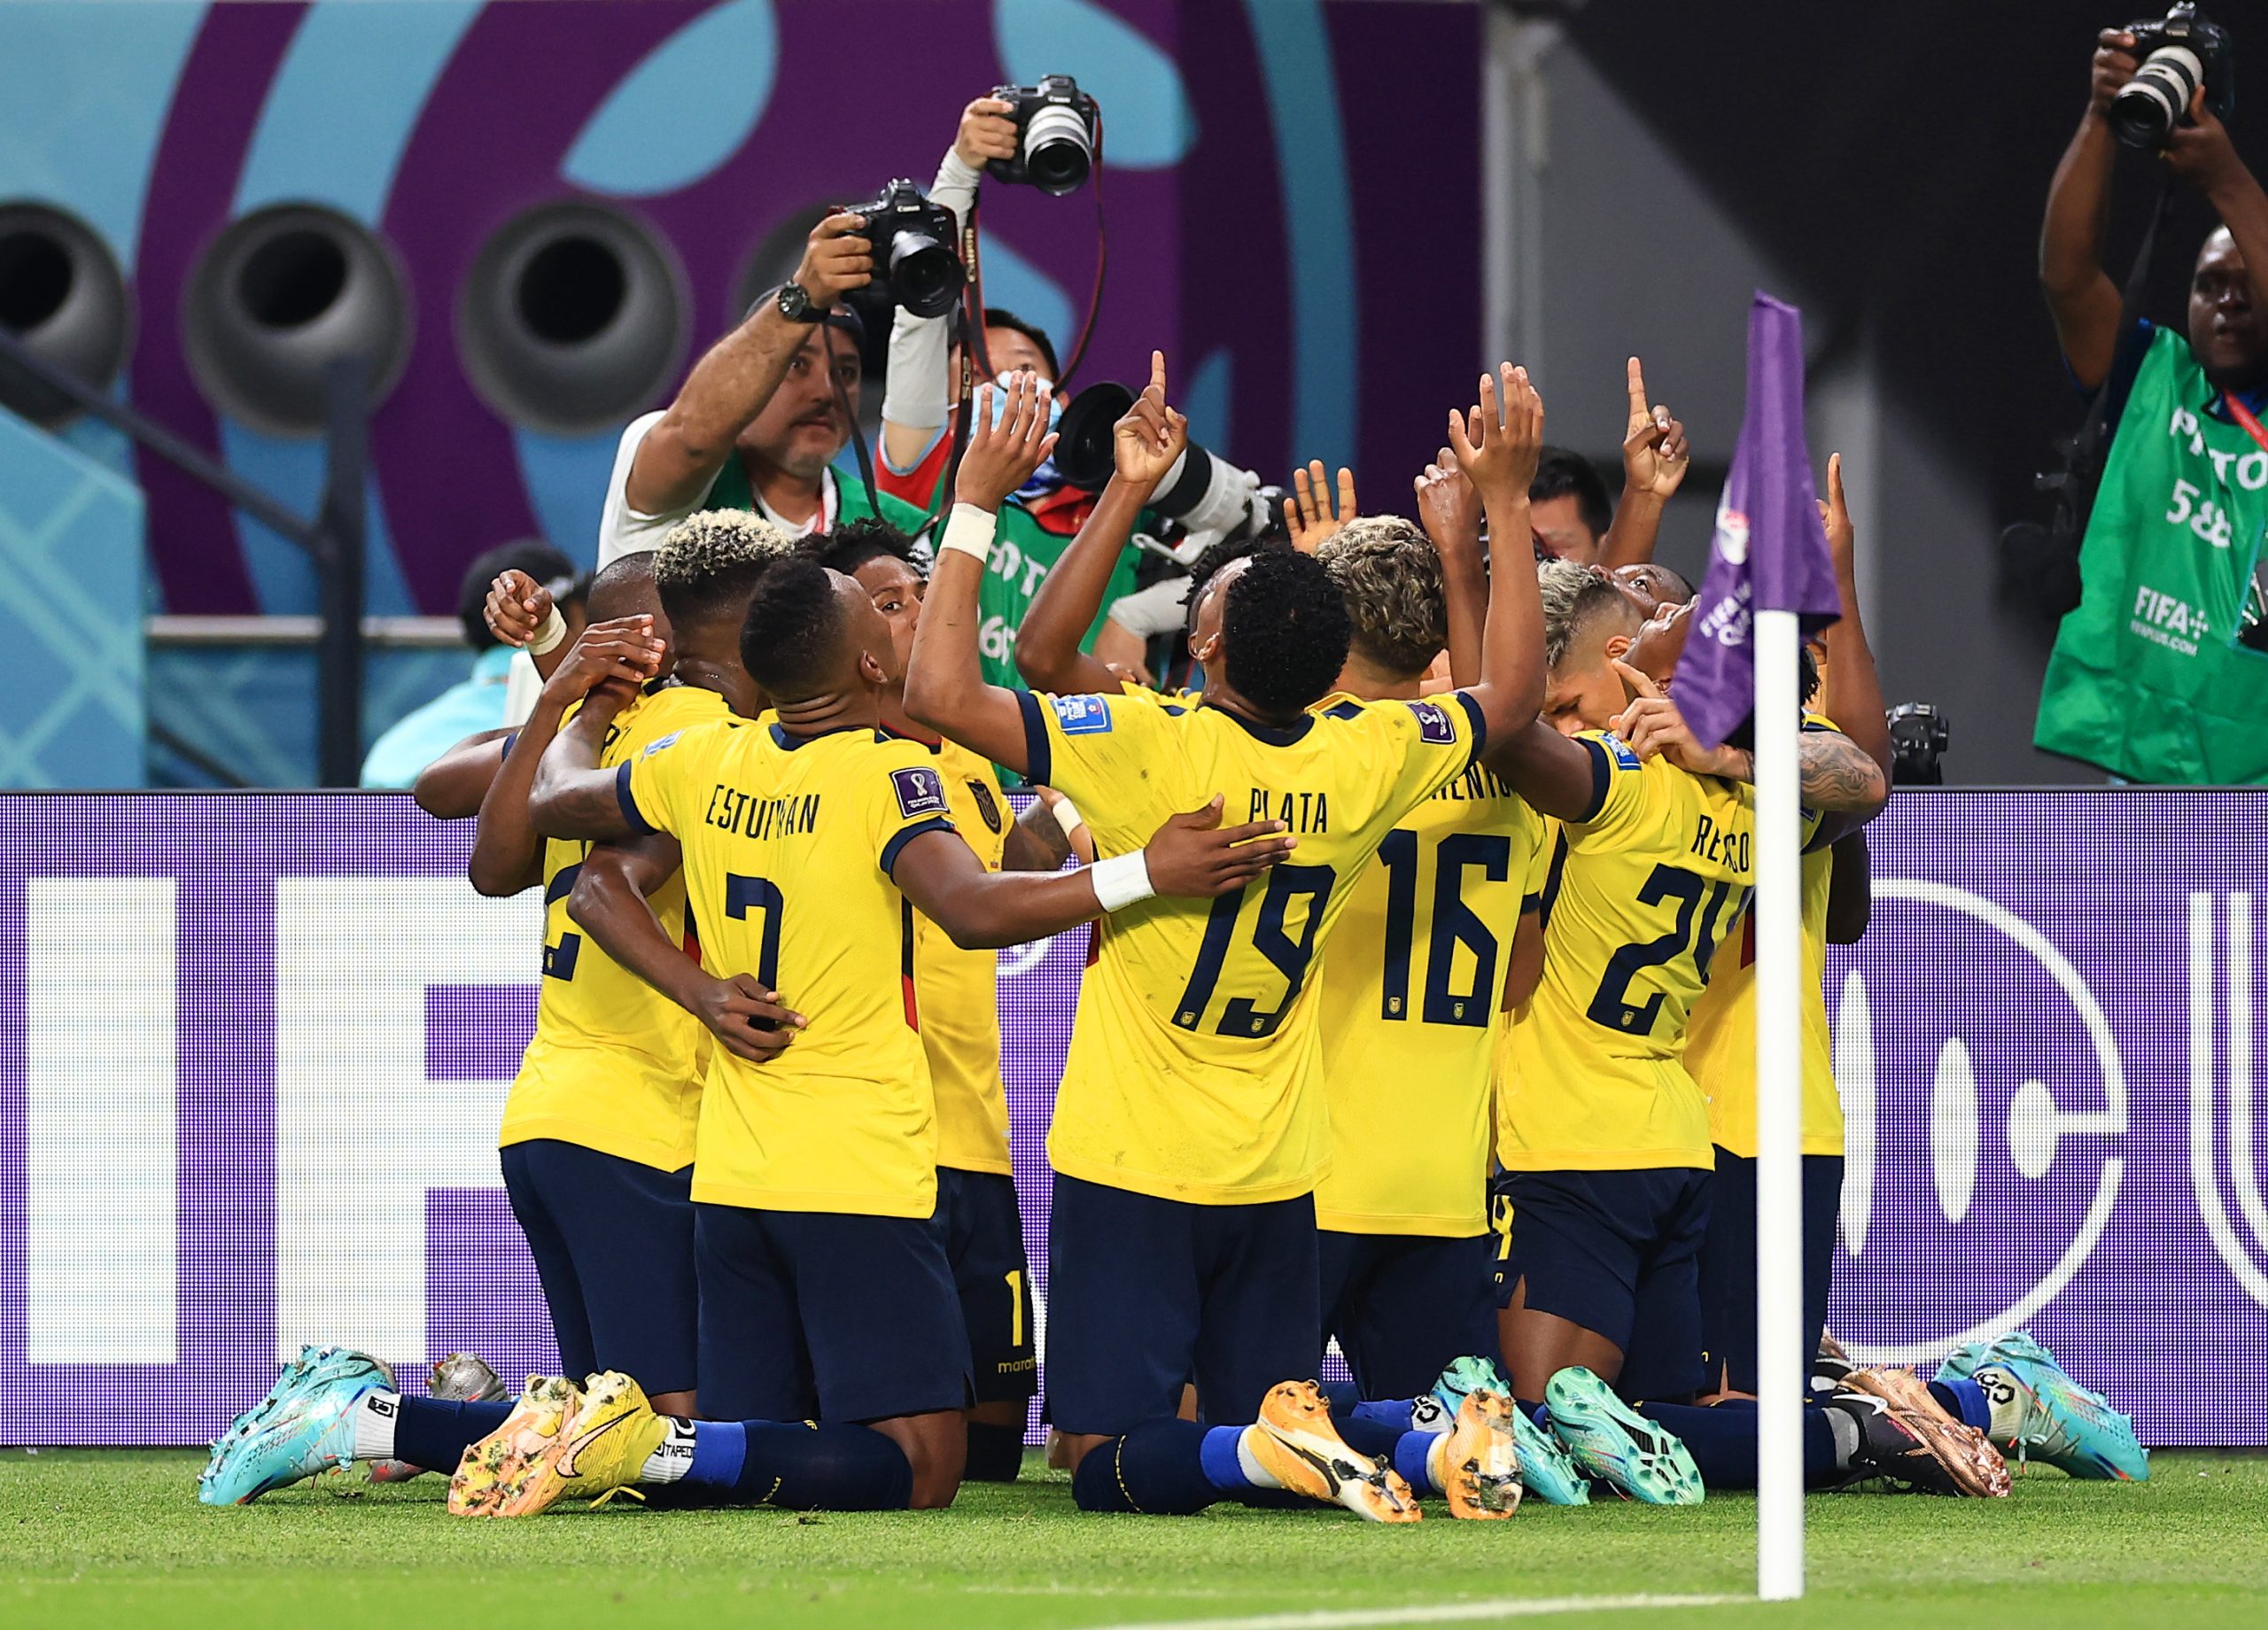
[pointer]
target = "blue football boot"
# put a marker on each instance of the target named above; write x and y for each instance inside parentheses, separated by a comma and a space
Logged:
(305, 1426)
(1545, 1468)
(2071, 1427)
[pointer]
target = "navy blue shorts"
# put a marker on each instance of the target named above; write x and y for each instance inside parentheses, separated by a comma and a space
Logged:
(1404, 1307)
(1618, 1252)
(1729, 1264)
(825, 1315)
(1146, 1295)
(613, 1247)
(984, 1243)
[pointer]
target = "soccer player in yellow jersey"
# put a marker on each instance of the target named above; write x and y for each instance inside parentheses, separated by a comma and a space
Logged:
(807, 844)
(957, 994)
(1191, 1130)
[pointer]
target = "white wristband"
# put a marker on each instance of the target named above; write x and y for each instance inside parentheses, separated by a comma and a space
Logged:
(548, 637)
(970, 530)
(1123, 880)
(1067, 815)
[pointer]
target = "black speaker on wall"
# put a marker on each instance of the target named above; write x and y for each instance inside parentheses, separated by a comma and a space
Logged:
(62, 294)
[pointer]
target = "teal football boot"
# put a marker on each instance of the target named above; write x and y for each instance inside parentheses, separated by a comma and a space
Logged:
(305, 1426)
(2071, 1427)
(1612, 1445)
(1545, 1468)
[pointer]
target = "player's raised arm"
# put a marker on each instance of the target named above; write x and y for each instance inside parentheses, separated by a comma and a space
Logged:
(508, 850)
(1191, 855)
(1655, 457)
(1497, 446)
(571, 797)
(1143, 445)
(1851, 689)
(944, 682)
(610, 904)
(452, 787)
(1451, 512)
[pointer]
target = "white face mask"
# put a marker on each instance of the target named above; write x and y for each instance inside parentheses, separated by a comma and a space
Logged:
(1000, 407)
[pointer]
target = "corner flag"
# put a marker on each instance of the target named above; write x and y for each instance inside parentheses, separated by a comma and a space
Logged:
(1770, 550)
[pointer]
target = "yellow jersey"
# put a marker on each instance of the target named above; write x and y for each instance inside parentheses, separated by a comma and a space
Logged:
(1654, 877)
(1720, 1046)
(958, 992)
(1412, 986)
(1195, 1067)
(615, 1066)
(788, 844)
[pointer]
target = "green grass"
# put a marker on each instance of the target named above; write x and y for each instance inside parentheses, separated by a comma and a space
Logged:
(115, 1539)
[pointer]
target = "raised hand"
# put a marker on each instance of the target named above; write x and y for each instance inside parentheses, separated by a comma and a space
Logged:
(1447, 505)
(2201, 151)
(836, 260)
(987, 131)
(1307, 510)
(1835, 515)
(1654, 728)
(1150, 436)
(1193, 854)
(747, 1018)
(1497, 446)
(1654, 454)
(624, 651)
(515, 608)
(1000, 457)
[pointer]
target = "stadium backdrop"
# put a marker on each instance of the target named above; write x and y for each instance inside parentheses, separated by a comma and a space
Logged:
(254, 1047)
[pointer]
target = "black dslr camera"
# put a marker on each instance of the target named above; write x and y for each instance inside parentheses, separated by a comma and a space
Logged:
(1058, 132)
(915, 262)
(1919, 735)
(2180, 52)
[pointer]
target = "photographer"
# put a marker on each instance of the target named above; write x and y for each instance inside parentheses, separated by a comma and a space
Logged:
(759, 420)
(2162, 672)
(919, 403)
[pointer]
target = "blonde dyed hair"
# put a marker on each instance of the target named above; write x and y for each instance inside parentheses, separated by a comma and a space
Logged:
(1390, 577)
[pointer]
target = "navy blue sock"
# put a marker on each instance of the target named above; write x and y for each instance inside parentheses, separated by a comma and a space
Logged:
(996, 1454)
(1344, 1397)
(1723, 1438)
(803, 1466)
(434, 1432)
(1393, 1412)
(1159, 1469)
(1368, 1436)
(1965, 1400)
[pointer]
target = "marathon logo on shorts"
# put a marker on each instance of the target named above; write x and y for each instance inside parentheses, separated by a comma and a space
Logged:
(920, 792)
(1434, 724)
(1082, 716)
(659, 742)
(1620, 748)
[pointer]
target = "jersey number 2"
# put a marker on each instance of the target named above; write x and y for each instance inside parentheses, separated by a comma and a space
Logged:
(1289, 957)
(743, 895)
(1697, 929)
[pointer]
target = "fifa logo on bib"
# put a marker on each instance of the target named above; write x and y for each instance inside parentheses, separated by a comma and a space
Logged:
(1982, 1158)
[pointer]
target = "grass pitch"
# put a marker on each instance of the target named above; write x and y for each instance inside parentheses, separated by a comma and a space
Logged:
(116, 1539)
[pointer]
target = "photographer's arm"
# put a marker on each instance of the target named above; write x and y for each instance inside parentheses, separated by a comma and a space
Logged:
(729, 386)
(2201, 154)
(2080, 294)
(918, 397)
(1851, 689)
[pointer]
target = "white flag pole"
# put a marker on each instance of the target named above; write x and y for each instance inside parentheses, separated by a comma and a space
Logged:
(1781, 1365)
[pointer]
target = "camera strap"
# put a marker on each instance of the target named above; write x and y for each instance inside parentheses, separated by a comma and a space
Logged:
(857, 432)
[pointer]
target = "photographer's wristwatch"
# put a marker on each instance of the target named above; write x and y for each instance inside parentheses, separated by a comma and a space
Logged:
(797, 305)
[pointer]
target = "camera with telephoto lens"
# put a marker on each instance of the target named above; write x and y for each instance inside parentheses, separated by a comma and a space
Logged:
(2180, 52)
(1210, 498)
(915, 263)
(1059, 131)
(1919, 734)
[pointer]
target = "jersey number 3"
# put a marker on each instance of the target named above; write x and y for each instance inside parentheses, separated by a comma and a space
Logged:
(1697, 929)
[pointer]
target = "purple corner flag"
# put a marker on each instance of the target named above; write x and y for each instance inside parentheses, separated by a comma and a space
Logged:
(1770, 550)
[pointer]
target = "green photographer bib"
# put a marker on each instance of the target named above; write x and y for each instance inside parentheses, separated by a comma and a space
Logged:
(2148, 679)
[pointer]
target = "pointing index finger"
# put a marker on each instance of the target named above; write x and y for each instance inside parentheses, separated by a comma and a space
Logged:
(1638, 682)
(1636, 374)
